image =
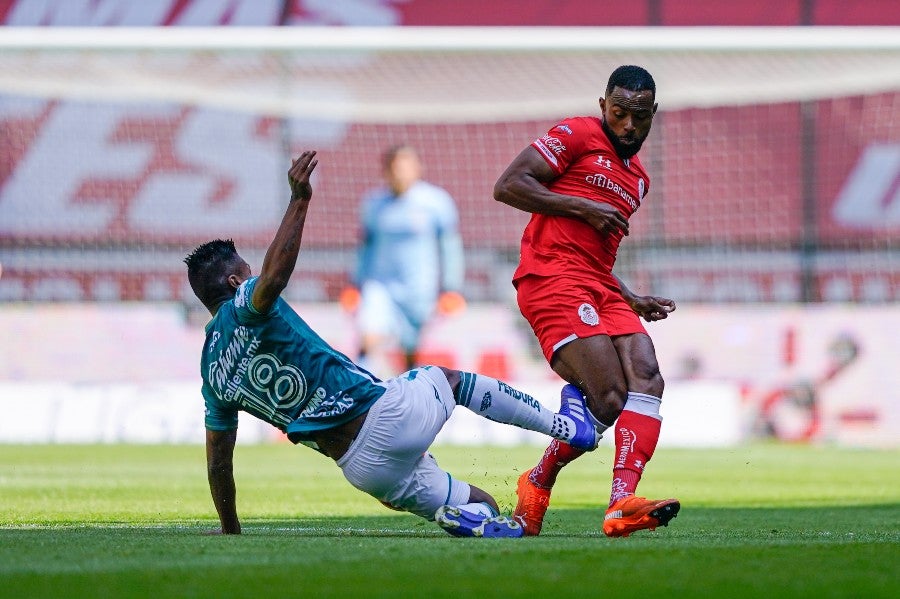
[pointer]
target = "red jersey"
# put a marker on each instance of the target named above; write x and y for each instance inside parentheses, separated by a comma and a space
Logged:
(580, 153)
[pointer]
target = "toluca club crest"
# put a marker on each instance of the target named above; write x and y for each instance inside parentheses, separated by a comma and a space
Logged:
(588, 315)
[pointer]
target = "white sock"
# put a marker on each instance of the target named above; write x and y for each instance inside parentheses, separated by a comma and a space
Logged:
(495, 400)
(648, 405)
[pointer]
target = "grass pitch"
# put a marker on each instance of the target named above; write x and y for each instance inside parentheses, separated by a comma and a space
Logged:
(756, 521)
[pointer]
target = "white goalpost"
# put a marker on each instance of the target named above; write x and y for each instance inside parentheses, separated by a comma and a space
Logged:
(493, 73)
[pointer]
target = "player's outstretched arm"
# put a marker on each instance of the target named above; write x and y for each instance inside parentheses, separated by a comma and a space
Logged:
(220, 472)
(522, 186)
(281, 257)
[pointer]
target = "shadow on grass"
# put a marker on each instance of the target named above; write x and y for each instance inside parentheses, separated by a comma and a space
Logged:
(873, 523)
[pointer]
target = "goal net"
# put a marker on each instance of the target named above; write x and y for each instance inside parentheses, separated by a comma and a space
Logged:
(774, 158)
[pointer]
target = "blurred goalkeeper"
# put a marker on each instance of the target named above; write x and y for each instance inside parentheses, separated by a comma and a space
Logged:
(581, 182)
(410, 261)
(261, 357)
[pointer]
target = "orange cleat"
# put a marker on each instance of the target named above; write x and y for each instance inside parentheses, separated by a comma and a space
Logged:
(532, 505)
(632, 513)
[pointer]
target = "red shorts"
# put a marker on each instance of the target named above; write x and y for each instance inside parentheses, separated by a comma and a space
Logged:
(561, 309)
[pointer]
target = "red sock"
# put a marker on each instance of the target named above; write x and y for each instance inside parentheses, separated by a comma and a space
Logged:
(557, 455)
(636, 438)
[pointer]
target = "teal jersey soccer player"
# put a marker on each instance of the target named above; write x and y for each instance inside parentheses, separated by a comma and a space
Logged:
(277, 368)
(262, 358)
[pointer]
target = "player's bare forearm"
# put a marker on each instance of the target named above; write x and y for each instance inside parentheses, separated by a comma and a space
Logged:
(627, 293)
(281, 257)
(220, 472)
(523, 185)
(648, 307)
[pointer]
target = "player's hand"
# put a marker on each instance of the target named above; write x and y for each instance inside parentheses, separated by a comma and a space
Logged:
(299, 174)
(606, 219)
(451, 302)
(652, 308)
(349, 299)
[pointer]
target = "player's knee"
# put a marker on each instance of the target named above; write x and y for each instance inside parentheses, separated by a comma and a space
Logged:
(453, 377)
(649, 382)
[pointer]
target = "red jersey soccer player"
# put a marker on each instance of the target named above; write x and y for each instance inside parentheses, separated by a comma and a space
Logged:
(581, 182)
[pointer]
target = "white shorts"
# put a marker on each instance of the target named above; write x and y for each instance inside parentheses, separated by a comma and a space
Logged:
(389, 458)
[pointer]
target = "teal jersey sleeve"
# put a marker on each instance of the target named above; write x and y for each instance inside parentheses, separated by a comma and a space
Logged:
(275, 367)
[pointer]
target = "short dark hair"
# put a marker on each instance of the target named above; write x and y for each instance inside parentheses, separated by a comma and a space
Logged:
(632, 78)
(208, 269)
